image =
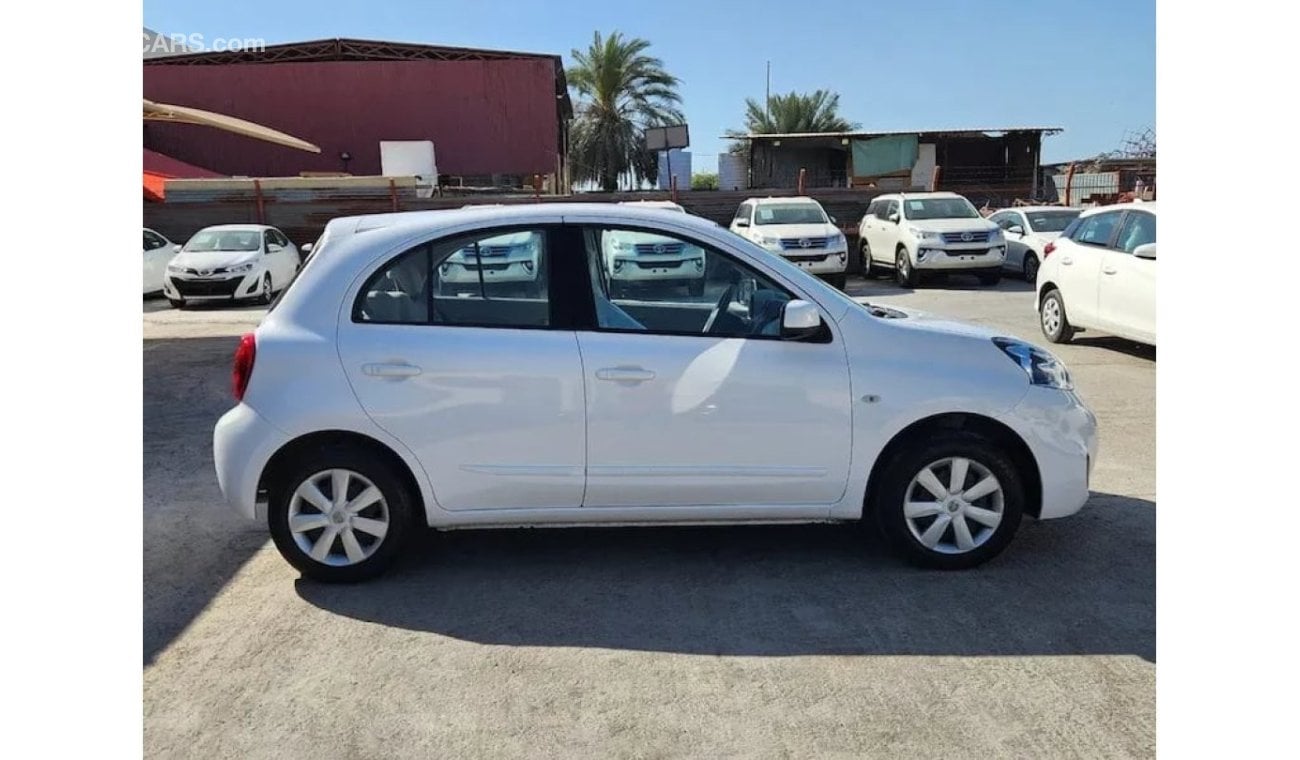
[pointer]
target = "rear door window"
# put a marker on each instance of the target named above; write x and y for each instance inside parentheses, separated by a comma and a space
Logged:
(1098, 229)
(1139, 229)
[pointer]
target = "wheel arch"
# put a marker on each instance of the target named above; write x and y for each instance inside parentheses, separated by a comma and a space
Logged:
(951, 422)
(278, 466)
(1044, 290)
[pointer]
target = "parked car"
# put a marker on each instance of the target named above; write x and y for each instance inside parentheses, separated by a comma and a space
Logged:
(797, 229)
(369, 405)
(158, 250)
(1100, 274)
(929, 233)
(504, 263)
(231, 262)
(1028, 230)
(636, 259)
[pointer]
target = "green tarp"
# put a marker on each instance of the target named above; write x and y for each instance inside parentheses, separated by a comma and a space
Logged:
(884, 155)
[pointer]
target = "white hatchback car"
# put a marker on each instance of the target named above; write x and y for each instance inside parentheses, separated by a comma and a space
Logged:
(799, 230)
(370, 406)
(1100, 274)
(930, 233)
(230, 262)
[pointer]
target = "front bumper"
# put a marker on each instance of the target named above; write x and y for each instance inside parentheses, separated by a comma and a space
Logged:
(463, 274)
(1061, 433)
(818, 262)
(242, 443)
(645, 269)
(226, 287)
(940, 257)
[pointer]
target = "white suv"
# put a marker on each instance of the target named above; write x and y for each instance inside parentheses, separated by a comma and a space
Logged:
(369, 406)
(502, 262)
(798, 229)
(634, 258)
(918, 233)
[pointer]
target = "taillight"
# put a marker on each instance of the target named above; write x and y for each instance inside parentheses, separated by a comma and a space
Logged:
(1047, 249)
(243, 369)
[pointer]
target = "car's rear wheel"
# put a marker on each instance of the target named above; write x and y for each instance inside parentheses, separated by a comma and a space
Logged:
(1031, 267)
(1052, 319)
(953, 503)
(340, 515)
(904, 273)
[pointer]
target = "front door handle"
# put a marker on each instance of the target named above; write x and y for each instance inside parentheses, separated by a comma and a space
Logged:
(1109, 270)
(625, 374)
(394, 370)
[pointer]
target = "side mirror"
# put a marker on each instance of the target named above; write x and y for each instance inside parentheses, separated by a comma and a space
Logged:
(834, 220)
(176, 248)
(306, 248)
(894, 217)
(800, 320)
(1145, 251)
(1016, 229)
(742, 222)
(273, 248)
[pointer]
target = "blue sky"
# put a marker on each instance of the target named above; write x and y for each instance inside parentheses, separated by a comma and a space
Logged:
(1086, 66)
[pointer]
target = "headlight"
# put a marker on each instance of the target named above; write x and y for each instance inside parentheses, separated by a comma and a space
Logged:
(921, 234)
(1042, 367)
(769, 242)
(836, 240)
(175, 269)
(622, 245)
(995, 234)
(240, 268)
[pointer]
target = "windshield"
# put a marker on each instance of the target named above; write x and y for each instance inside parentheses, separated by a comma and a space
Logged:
(1050, 221)
(940, 208)
(225, 240)
(790, 213)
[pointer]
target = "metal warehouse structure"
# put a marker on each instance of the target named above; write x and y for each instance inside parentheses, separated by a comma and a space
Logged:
(495, 117)
(997, 161)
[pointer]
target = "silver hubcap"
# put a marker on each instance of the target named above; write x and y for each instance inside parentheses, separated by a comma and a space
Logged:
(266, 286)
(953, 505)
(902, 265)
(338, 517)
(1051, 316)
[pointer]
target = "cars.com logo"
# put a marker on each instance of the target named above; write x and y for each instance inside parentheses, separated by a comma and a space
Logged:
(180, 44)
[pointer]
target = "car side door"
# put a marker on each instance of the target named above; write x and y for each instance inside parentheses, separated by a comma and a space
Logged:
(885, 235)
(867, 228)
(1079, 267)
(484, 387)
(277, 259)
(696, 403)
(1015, 240)
(1127, 294)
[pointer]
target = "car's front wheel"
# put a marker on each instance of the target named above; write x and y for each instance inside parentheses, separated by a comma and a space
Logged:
(869, 269)
(1051, 317)
(952, 503)
(340, 515)
(904, 272)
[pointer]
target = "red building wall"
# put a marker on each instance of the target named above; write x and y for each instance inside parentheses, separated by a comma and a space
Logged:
(484, 117)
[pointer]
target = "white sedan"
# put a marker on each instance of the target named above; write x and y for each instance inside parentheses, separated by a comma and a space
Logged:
(158, 250)
(1028, 230)
(1100, 274)
(231, 262)
(369, 405)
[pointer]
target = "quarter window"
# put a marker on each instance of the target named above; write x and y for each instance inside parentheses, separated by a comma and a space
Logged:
(1139, 229)
(1097, 229)
(651, 282)
(497, 279)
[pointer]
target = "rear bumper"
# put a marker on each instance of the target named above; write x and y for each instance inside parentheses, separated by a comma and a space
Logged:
(242, 443)
(1061, 433)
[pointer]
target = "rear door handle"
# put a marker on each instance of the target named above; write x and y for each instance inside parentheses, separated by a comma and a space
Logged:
(1067, 260)
(395, 370)
(1109, 270)
(625, 374)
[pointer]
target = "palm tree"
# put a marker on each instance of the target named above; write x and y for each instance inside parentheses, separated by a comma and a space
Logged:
(622, 91)
(817, 111)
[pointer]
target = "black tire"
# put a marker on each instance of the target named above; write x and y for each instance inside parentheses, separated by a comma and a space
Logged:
(887, 506)
(396, 494)
(837, 280)
(904, 273)
(1030, 267)
(176, 303)
(869, 268)
(266, 294)
(990, 278)
(1063, 331)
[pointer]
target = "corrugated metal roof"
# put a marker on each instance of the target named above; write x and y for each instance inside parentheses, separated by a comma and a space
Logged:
(883, 133)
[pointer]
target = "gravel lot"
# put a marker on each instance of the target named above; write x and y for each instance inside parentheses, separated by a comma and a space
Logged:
(700, 642)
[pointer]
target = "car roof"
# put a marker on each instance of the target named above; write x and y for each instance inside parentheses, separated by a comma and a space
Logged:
(920, 195)
(1139, 205)
(651, 204)
(1028, 209)
(238, 227)
(787, 199)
